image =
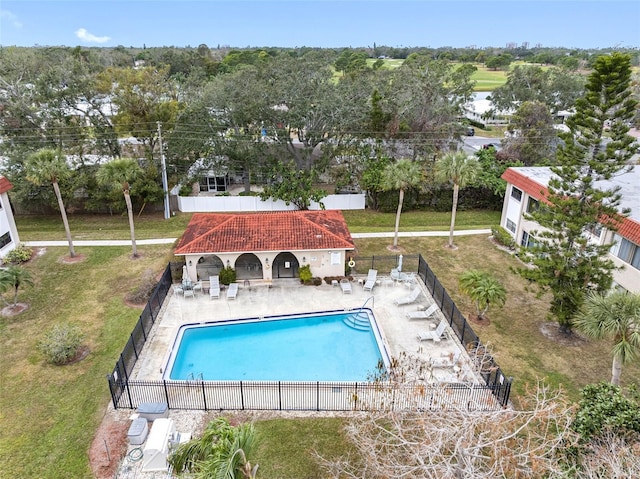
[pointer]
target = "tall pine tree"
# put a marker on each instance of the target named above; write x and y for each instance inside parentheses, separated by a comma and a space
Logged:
(566, 263)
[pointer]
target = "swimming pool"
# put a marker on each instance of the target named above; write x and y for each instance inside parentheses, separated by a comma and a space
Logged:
(325, 346)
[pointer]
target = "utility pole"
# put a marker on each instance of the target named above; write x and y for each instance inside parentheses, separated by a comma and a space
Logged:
(165, 183)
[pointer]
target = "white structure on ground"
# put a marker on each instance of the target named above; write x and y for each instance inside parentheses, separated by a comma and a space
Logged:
(527, 186)
(9, 238)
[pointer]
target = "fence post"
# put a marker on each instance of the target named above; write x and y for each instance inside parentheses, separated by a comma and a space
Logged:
(317, 395)
(113, 396)
(241, 396)
(166, 393)
(279, 395)
(204, 396)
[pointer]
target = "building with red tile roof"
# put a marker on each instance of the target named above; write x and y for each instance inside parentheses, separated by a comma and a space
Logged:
(527, 186)
(266, 245)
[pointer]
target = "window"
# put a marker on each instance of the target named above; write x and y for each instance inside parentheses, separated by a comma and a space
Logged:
(511, 226)
(516, 193)
(627, 251)
(596, 230)
(5, 239)
(527, 241)
(336, 258)
(532, 205)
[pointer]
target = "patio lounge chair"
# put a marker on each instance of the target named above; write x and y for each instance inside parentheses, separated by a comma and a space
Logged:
(426, 314)
(371, 280)
(436, 335)
(232, 292)
(214, 287)
(445, 361)
(345, 285)
(410, 298)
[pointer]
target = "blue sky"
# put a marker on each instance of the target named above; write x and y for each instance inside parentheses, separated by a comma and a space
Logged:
(320, 23)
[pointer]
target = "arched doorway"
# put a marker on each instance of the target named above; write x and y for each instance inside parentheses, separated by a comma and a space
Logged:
(208, 266)
(248, 266)
(285, 265)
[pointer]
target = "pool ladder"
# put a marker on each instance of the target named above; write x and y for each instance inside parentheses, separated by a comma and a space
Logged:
(192, 377)
(358, 320)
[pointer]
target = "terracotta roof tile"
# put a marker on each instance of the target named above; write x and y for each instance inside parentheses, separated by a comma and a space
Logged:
(5, 185)
(630, 229)
(270, 231)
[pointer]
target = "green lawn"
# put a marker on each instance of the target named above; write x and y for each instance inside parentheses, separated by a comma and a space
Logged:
(48, 415)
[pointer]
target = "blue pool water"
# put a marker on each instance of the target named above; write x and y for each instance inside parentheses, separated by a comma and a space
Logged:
(319, 347)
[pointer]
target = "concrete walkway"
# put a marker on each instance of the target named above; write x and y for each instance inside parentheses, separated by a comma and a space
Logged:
(405, 234)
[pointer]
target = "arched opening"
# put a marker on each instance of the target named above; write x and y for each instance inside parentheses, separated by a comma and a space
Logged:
(248, 266)
(285, 265)
(208, 266)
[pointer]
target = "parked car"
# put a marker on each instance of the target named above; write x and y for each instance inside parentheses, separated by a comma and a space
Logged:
(471, 131)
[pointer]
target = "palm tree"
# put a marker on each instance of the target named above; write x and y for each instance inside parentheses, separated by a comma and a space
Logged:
(483, 289)
(14, 277)
(50, 166)
(460, 170)
(401, 175)
(222, 452)
(118, 174)
(615, 316)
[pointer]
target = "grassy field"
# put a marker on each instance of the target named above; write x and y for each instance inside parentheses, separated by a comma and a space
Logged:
(48, 414)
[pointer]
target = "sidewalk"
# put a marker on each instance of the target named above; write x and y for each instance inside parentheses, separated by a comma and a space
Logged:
(405, 234)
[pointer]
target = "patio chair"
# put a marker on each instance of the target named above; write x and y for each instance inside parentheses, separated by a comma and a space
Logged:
(178, 289)
(188, 292)
(437, 335)
(214, 287)
(345, 285)
(232, 292)
(410, 298)
(426, 314)
(371, 280)
(395, 274)
(197, 287)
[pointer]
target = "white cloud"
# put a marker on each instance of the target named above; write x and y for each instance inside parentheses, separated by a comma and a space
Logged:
(11, 18)
(83, 34)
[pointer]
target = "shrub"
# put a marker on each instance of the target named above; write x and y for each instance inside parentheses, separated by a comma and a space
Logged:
(143, 291)
(61, 343)
(227, 275)
(20, 254)
(305, 274)
(502, 237)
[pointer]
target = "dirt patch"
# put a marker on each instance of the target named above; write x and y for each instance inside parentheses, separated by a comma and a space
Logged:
(395, 249)
(78, 258)
(82, 353)
(477, 320)
(109, 446)
(132, 304)
(552, 332)
(11, 310)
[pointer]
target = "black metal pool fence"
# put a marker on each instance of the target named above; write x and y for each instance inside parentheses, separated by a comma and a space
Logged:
(127, 393)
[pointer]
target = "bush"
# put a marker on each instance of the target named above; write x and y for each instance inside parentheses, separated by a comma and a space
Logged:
(227, 275)
(305, 274)
(20, 254)
(143, 292)
(61, 343)
(502, 237)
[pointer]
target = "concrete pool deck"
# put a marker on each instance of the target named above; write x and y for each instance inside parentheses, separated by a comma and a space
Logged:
(288, 296)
